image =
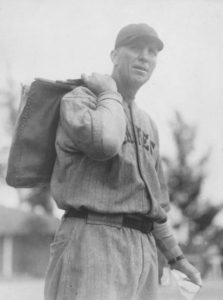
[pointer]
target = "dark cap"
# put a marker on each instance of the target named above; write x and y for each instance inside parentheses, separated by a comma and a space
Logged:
(130, 32)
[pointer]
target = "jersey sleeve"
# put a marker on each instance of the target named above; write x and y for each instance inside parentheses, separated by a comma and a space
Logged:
(166, 240)
(95, 125)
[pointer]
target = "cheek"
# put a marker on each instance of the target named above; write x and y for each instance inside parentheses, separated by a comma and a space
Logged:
(125, 65)
(153, 63)
(126, 58)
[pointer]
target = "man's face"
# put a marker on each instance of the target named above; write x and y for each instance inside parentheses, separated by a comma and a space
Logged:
(134, 63)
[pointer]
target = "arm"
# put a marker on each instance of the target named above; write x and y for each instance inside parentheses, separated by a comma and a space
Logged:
(163, 234)
(168, 245)
(94, 122)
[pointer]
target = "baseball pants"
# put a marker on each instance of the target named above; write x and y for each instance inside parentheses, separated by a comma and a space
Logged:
(91, 261)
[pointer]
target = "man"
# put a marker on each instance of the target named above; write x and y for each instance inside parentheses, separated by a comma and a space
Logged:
(108, 178)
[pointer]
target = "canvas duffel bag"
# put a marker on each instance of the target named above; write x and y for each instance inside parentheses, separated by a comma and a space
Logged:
(32, 153)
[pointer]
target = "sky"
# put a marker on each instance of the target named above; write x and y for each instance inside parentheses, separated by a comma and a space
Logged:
(61, 39)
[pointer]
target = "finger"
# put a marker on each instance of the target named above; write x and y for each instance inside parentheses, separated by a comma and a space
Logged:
(84, 77)
(199, 280)
(196, 278)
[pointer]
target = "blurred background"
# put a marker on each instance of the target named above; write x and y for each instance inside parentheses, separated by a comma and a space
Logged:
(58, 40)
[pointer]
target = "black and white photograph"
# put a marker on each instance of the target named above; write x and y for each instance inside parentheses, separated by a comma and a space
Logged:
(111, 150)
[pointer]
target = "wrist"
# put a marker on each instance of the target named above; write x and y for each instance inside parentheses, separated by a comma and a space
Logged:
(109, 94)
(173, 252)
(175, 260)
(107, 91)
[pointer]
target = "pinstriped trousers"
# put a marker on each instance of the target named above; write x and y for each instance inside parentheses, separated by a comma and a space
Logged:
(91, 261)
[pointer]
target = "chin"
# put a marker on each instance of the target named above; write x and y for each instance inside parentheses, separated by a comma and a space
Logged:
(140, 80)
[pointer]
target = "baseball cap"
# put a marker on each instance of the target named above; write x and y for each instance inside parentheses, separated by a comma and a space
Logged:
(132, 31)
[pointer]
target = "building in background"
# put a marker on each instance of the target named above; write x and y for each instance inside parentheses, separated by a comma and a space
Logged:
(25, 239)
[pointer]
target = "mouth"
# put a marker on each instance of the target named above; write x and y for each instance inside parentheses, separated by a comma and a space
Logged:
(141, 69)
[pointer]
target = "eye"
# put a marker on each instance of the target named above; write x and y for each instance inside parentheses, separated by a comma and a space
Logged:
(152, 51)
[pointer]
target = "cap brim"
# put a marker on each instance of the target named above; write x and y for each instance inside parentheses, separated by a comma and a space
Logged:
(155, 40)
(150, 38)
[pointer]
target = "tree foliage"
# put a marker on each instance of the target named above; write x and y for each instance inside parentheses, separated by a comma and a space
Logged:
(186, 177)
(8, 102)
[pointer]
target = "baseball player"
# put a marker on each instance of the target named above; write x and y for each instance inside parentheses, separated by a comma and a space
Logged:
(108, 178)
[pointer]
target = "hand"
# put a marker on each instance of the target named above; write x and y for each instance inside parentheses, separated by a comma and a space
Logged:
(188, 269)
(99, 83)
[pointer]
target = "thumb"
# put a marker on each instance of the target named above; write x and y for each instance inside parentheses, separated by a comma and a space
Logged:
(189, 270)
(195, 277)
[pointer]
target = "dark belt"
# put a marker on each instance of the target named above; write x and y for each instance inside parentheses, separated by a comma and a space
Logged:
(133, 221)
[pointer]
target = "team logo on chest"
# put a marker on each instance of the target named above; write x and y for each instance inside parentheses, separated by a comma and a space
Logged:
(143, 139)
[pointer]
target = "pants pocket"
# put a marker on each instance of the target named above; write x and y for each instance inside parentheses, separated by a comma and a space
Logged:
(56, 273)
(56, 248)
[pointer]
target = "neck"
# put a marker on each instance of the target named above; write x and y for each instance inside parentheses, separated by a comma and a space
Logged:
(127, 90)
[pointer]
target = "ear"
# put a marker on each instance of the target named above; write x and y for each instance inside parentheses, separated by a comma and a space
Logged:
(114, 56)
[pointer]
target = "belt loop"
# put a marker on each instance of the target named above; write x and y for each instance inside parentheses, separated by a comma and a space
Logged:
(146, 226)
